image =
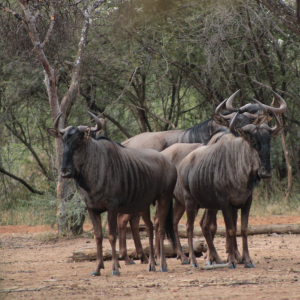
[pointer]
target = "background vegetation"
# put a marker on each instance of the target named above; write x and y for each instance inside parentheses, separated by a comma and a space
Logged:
(148, 66)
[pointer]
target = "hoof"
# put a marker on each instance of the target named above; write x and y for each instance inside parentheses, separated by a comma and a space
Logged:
(241, 261)
(194, 266)
(251, 265)
(151, 269)
(163, 270)
(115, 273)
(186, 262)
(232, 266)
(144, 259)
(131, 262)
(209, 263)
(95, 273)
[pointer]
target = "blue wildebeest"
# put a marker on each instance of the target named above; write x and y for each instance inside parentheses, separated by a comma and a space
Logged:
(176, 153)
(223, 175)
(110, 177)
(200, 133)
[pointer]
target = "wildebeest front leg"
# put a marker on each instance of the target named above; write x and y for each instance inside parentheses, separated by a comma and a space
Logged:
(244, 230)
(149, 227)
(134, 225)
(230, 230)
(179, 210)
(97, 225)
(112, 216)
(122, 224)
(190, 206)
(208, 224)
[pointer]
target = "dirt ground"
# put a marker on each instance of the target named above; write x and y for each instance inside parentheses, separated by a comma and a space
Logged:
(31, 269)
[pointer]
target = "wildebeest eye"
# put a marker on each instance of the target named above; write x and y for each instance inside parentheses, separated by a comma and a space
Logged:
(253, 142)
(78, 140)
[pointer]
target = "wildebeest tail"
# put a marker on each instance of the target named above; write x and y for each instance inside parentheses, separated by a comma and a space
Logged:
(169, 226)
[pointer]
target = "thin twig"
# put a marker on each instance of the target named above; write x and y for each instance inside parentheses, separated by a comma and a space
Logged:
(27, 290)
(268, 270)
(217, 266)
(229, 283)
(7, 9)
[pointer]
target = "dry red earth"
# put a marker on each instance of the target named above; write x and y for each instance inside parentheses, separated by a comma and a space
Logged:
(31, 269)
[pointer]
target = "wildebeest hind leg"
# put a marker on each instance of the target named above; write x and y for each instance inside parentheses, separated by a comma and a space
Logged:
(179, 210)
(230, 231)
(208, 224)
(134, 224)
(165, 220)
(191, 207)
(157, 238)
(122, 224)
(97, 225)
(112, 216)
(149, 228)
(244, 231)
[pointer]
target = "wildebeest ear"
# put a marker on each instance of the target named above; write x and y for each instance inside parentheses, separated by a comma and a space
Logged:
(276, 132)
(55, 133)
(219, 120)
(243, 134)
(260, 119)
(87, 134)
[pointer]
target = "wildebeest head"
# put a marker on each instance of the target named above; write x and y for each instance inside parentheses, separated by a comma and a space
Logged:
(73, 139)
(249, 113)
(259, 137)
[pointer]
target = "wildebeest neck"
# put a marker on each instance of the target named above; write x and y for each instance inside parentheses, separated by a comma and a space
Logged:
(203, 132)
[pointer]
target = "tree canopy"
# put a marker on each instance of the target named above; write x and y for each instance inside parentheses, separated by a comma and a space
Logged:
(146, 66)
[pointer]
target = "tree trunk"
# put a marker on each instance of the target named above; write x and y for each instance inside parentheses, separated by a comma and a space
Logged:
(51, 85)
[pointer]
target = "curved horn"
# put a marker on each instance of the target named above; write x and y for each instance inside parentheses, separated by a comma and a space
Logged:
(57, 121)
(82, 128)
(262, 106)
(249, 116)
(229, 102)
(281, 108)
(98, 123)
(249, 128)
(277, 124)
(62, 131)
(219, 107)
(231, 125)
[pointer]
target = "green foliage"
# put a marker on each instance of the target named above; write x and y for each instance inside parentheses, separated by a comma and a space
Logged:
(37, 210)
(149, 65)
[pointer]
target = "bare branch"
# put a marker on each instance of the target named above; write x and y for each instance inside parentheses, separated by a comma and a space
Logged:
(5, 8)
(52, 21)
(71, 94)
(32, 190)
(152, 114)
(284, 13)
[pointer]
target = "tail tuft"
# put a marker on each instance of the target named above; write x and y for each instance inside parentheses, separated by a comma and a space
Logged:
(169, 226)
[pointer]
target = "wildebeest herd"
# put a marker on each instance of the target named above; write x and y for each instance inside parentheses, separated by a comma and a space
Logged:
(214, 165)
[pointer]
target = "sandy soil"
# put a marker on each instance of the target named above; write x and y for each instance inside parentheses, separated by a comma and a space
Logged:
(30, 269)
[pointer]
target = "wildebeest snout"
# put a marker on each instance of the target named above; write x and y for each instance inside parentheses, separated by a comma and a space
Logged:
(264, 173)
(67, 172)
